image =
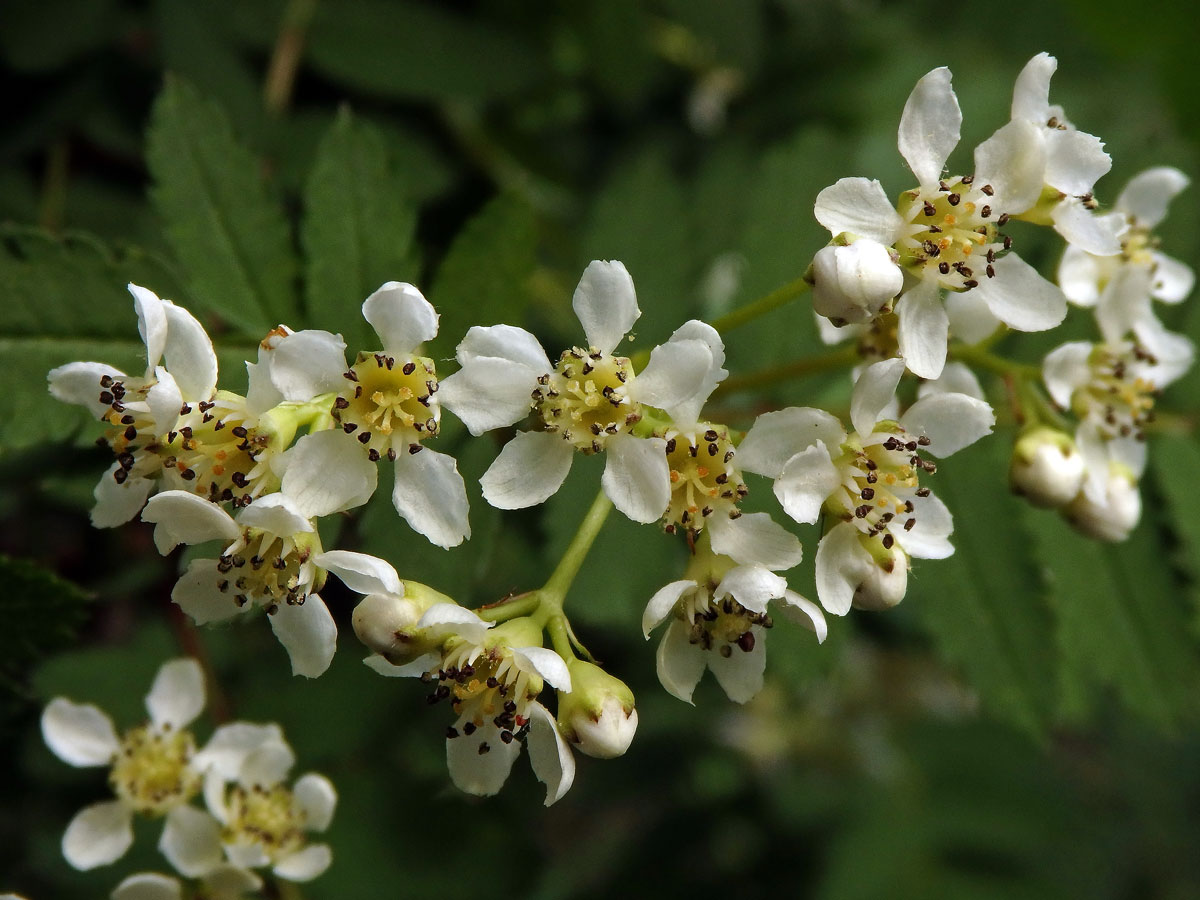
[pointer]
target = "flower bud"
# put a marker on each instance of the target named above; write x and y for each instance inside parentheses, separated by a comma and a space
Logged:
(887, 580)
(387, 623)
(1115, 516)
(854, 283)
(598, 716)
(1047, 468)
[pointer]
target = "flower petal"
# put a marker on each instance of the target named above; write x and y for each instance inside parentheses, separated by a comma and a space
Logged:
(530, 468)
(776, 437)
(415, 669)
(79, 734)
(677, 372)
(605, 303)
(929, 536)
(315, 796)
(1075, 161)
(1079, 273)
(266, 765)
(489, 392)
(842, 564)
(326, 473)
(181, 517)
(806, 613)
(503, 342)
(148, 886)
(1148, 194)
(1084, 229)
(189, 354)
(117, 503)
(362, 573)
(1021, 298)
(873, 391)
(951, 421)
(546, 663)
(401, 316)
(191, 841)
(956, 378)
(197, 594)
(1124, 302)
(277, 514)
(1065, 369)
(929, 126)
(551, 757)
(679, 662)
(306, 864)
(152, 323)
(755, 539)
(859, 206)
(923, 329)
(450, 618)
(230, 744)
(79, 383)
(98, 835)
(430, 495)
(308, 633)
(662, 603)
(741, 673)
(165, 401)
(306, 363)
(636, 476)
(751, 586)
(481, 773)
(1013, 161)
(177, 695)
(1173, 280)
(806, 481)
(1031, 93)
(970, 319)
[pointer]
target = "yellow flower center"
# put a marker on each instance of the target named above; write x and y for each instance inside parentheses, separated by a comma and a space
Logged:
(266, 816)
(880, 476)
(267, 570)
(1117, 399)
(719, 625)
(485, 687)
(152, 770)
(704, 479)
(391, 407)
(956, 233)
(586, 398)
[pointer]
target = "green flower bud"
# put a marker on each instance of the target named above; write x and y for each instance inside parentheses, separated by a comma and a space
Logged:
(598, 716)
(387, 624)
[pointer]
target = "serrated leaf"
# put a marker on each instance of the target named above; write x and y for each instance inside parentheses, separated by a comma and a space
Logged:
(42, 613)
(984, 605)
(358, 229)
(1120, 620)
(482, 280)
(222, 223)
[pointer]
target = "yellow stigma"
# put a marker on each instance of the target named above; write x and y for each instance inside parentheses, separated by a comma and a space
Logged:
(389, 406)
(586, 398)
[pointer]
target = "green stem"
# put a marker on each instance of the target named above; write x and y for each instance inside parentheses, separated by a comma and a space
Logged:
(978, 355)
(560, 636)
(514, 607)
(751, 311)
(286, 56)
(554, 592)
(841, 358)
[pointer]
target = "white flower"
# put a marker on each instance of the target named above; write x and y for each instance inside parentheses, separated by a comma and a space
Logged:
(155, 769)
(386, 404)
(1122, 287)
(492, 677)
(719, 621)
(1047, 468)
(597, 716)
(590, 400)
(869, 480)
(945, 234)
(141, 410)
(854, 283)
(1110, 505)
(268, 560)
(223, 882)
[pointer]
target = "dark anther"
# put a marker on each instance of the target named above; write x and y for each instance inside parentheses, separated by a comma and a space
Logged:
(340, 403)
(929, 209)
(954, 199)
(944, 268)
(888, 540)
(868, 493)
(988, 189)
(364, 438)
(746, 641)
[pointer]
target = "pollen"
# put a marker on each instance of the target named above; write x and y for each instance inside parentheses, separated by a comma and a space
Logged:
(705, 479)
(388, 404)
(152, 770)
(268, 817)
(586, 398)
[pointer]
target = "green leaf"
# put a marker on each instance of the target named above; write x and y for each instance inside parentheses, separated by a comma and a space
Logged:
(482, 280)
(42, 613)
(984, 605)
(358, 229)
(228, 232)
(41, 37)
(1171, 456)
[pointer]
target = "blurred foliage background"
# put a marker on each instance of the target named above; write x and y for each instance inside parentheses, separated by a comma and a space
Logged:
(1024, 725)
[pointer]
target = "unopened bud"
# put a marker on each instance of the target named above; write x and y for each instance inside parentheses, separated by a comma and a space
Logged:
(387, 623)
(1115, 516)
(887, 580)
(854, 283)
(1047, 468)
(598, 716)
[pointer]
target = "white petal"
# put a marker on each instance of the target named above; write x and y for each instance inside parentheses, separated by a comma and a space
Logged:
(230, 744)
(148, 886)
(1148, 194)
(431, 496)
(117, 503)
(1084, 229)
(842, 564)
(1173, 280)
(695, 330)
(327, 473)
(261, 393)
(546, 663)
(741, 674)
(852, 284)
(79, 383)
(679, 662)
(923, 329)
(1031, 93)
(662, 603)
(181, 517)
(751, 586)
(414, 669)
(776, 437)
(636, 476)
(503, 342)
(807, 613)
(1075, 161)
(1065, 369)
(1173, 353)
(1079, 273)
(98, 835)
(189, 354)
(481, 774)
(79, 734)
(165, 400)
(929, 126)
(530, 468)
(247, 856)
(677, 372)
(951, 421)
(956, 378)
(306, 864)
(1124, 302)
(551, 758)
(928, 538)
(859, 206)
(267, 765)
(806, 481)
(191, 841)
(229, 882)
(1021, 298)
(307, 363)
(605, 303)
(1013, 161)
(755, 539)
(873, 391)
(315, 796)
(489, 393)
(277, 514)
(197, 594)
(308, 633)
(362, 573)
(177, 695)
(401, 316)
(152, 323)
